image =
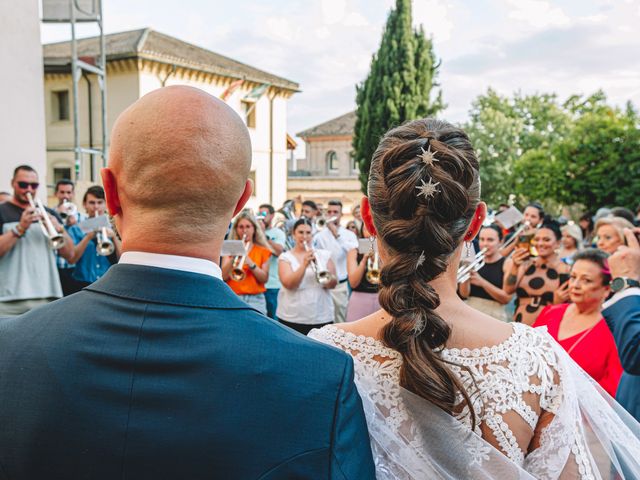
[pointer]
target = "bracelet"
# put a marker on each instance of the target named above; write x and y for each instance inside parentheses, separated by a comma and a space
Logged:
(253, 267)
(16, 232)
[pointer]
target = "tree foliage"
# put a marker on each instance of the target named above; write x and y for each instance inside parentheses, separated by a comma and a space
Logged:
(398, 88)
(580, 151)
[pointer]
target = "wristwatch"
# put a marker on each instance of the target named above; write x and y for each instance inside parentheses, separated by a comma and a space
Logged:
(620, 283)
(253, 267)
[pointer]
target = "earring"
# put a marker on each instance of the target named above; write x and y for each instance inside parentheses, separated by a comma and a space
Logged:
(467, 246)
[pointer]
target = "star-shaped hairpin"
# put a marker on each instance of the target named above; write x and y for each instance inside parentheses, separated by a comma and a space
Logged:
(421, 260)
(418, 327)
(428, 157)
(428, 190)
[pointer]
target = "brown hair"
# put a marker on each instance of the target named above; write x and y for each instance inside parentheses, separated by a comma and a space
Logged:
(259, 237)
(420, 233)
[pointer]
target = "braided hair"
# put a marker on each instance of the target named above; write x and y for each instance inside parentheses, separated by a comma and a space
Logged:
(421, 233)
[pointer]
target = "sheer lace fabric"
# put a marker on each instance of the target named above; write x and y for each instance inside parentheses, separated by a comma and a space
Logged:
(539, 411)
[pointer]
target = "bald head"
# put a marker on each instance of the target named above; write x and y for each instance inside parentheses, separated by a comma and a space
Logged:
(180, 158)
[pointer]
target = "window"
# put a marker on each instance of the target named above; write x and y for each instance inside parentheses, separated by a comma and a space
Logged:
(249, 109)
(354, 165)
(332, 161)
(61, 173)
(61, 105)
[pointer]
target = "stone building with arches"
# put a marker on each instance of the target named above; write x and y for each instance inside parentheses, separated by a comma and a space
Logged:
(328, 171)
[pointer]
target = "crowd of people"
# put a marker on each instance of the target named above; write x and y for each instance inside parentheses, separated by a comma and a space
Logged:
(34, 270)
(161, 361)
(540, 282)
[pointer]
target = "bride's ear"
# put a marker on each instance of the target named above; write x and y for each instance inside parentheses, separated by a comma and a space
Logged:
(365, 211)
(476, 222)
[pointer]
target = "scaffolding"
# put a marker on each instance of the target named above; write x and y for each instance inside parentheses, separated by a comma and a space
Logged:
(74, 12)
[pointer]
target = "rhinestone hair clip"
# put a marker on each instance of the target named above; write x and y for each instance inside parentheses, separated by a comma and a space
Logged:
(428, 189)
(428, 157)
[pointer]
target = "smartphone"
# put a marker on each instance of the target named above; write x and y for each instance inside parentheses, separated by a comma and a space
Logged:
(524, 241)
(563, 278)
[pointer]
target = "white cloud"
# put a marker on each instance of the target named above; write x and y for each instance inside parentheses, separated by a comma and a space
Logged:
(537, 13)
(434, 16)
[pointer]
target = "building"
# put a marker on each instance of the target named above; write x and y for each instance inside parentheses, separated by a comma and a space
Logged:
(140, 61)
(329, 170)
(22, 133)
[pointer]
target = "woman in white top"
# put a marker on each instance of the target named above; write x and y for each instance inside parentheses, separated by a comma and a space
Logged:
(303, 302)
(450, 392)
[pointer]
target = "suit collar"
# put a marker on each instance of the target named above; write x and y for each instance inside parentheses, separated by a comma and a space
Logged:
(171, 287)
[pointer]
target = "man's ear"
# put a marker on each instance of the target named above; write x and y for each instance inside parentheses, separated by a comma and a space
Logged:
(244, 198)
(476, 222)
(111, 191)
(365, 211)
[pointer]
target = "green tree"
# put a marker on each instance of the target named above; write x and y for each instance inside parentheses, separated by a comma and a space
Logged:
(602, 160)
(398, 88)
(504, 129)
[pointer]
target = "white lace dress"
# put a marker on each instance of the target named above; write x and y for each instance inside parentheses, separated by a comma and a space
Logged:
(526, 402)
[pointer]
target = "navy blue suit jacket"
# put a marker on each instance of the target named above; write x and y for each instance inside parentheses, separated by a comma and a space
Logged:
(152, 373)
(623, 318)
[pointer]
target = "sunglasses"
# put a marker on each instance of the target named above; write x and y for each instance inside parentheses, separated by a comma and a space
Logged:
(25, 185)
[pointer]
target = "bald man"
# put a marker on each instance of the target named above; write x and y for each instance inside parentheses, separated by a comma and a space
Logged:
(158, 370)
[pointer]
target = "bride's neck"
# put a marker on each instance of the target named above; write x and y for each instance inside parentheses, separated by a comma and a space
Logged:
(446, 286)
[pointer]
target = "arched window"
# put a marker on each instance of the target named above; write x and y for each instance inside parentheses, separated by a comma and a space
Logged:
(332, 161)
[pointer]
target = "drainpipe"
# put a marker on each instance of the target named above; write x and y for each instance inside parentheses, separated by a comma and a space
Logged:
(90, 105)
(271, 97)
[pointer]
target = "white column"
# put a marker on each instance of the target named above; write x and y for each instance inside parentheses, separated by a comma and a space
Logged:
(22, 120)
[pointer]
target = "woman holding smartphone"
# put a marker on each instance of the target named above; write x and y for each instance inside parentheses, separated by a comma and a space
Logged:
(536, 280)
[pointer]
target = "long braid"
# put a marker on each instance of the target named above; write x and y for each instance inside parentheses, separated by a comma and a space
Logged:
(421, 229)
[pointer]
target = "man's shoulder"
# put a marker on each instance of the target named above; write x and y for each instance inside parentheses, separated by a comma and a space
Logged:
(9, 212)
(277, 234)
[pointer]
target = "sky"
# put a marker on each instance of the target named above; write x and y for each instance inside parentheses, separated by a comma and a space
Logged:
(531, 46)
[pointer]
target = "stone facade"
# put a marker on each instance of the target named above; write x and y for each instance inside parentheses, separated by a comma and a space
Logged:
(328, 171)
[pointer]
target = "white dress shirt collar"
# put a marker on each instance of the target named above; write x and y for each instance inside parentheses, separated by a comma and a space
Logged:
(173, 262)
(627, 292)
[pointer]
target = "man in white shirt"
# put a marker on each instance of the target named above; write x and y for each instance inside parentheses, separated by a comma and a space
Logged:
(338, 240)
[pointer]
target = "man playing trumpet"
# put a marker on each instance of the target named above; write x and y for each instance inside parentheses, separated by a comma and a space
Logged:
(338, 241)
(92, 261)
(28, 271)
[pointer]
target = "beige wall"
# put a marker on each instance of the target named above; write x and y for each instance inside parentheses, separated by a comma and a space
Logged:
(122, 91)
(131, 80)
(22, 135)
(323, 189)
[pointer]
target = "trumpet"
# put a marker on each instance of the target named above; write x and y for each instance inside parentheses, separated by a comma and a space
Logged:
(67, 209)
(322, 222)
(237, 266)
(322, 276)
(464, 272)
(105, 246)
(56, 239)
(373, 267)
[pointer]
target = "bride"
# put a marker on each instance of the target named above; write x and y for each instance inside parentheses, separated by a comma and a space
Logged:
(448, 391)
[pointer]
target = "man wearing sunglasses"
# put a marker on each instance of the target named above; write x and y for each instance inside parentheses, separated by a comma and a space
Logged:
(28, 271)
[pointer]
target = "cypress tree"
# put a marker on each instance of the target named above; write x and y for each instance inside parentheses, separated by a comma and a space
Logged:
(398, 87)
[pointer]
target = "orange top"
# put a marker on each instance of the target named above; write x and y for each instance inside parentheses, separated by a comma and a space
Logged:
(250, 286)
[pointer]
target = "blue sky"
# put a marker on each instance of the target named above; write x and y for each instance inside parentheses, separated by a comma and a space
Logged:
(531, 46)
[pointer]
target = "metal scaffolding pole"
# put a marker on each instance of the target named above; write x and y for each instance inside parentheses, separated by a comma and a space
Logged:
(73, 12)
